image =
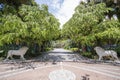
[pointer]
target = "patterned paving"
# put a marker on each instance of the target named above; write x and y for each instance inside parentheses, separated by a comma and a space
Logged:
(81, 70)
(56, 60)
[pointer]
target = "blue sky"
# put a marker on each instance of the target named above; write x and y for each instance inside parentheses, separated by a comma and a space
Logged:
(54, 5)
(62, 9)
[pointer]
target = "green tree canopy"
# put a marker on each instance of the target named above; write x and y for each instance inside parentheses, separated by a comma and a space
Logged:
(88, 25)
(27, 23)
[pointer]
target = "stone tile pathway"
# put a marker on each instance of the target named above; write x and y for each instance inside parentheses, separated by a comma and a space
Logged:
(42, 70)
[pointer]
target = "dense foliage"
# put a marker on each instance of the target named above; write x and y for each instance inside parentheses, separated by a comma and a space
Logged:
(26, 23)
(115, 7)
(89, 27)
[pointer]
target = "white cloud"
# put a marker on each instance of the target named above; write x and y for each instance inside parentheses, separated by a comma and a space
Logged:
(55, 4)
(62, 11)
(66, 10)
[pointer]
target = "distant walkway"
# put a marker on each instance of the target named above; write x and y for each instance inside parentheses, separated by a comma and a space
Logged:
(60, 54)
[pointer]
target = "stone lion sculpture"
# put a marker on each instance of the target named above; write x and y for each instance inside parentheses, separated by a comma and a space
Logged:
(101, 52)
(21, 52)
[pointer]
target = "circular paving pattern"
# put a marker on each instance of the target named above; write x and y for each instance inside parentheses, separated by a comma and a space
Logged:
(62, 75)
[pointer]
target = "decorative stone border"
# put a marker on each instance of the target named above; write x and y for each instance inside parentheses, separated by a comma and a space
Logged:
(62, 75)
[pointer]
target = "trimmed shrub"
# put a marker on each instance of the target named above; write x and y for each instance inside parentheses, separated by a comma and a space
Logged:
(87, 54)
(74, 49)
